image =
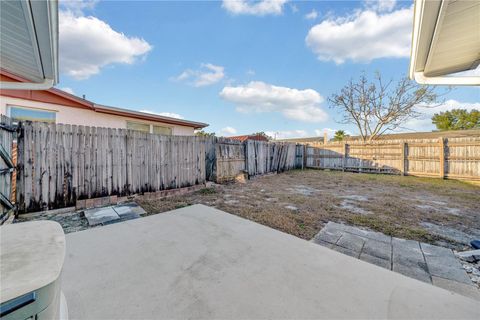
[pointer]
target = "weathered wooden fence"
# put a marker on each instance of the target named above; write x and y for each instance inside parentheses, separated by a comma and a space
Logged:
(255, 158)
(230, 160)
(456, 158)
(6, 165)
(264, 157)
(58, 164)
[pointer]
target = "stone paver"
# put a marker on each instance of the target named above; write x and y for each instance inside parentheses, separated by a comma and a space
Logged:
(376, 261)
(378, 249)
(112, 214)
(98, 216)
(128, 211)
(421, 261)
(352, 242)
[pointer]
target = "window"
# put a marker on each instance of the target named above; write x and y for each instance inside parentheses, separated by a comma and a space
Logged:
(162, 130)
(138, 126)
(145, 127)
(30, 114)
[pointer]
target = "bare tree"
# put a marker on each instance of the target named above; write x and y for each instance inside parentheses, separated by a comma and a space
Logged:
(376, 107)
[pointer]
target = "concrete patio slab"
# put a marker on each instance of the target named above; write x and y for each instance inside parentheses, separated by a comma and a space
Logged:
(413, 259)
(98, 216)
(199, 262)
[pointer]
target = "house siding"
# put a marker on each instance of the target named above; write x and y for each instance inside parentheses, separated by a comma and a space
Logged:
(78, 116)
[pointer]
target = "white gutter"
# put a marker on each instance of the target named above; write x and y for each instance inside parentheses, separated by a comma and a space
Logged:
(454, 81)
(45, 85)
(419, 76)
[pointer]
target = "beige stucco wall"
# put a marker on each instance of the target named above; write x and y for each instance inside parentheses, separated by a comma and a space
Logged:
(69, 115)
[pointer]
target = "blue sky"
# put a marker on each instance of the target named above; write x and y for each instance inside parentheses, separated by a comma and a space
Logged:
(240, 66)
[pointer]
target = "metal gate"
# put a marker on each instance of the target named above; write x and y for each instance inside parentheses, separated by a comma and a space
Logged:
(7, 166)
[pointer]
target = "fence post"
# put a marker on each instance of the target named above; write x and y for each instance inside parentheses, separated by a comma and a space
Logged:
(442, 157)
(345, 155)
(304, 164)
(403, 145)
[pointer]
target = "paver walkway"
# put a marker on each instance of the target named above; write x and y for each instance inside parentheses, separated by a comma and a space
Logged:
(422, 261)
(111, 214)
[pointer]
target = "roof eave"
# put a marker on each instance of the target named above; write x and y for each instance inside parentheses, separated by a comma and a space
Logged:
(148, 116)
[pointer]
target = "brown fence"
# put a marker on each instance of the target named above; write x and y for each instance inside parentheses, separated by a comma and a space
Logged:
(58, 164)
(456, 158)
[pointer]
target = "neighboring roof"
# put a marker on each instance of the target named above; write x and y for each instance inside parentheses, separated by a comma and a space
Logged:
(29, 42)
(445, 41)
(249, 137)
(406, 135)
(57, 96)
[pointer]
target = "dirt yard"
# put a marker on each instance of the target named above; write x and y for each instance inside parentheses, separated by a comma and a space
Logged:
(443, 212)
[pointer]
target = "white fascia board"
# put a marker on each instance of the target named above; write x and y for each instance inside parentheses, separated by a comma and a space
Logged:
(446, 81)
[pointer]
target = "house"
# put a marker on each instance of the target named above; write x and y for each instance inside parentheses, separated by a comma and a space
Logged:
(57, 106)
(445, 42)
(257, 137)
(29, 43)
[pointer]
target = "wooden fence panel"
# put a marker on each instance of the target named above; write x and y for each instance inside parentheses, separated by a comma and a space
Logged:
(59, 164)
(264, 157)
(457, 158)
(230, 160)
(462, 157)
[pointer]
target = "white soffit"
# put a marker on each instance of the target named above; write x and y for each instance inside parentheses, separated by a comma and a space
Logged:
(29, 42)
(446, 40)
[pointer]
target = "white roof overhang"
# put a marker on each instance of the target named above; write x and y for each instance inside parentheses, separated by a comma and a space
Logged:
(445, 41)
(29, 43)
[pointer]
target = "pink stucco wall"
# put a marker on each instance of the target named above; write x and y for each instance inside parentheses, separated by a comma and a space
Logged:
(69, 115)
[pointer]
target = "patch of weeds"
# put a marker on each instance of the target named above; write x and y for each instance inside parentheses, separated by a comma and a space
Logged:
(181, 205)
(206, 191)
(395, 230)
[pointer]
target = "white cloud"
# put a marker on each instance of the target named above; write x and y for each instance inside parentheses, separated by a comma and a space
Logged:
(87, 44)
(256, 8)
(287, 134)
(312, 15)
(164, 114)
(424, 123)
(77, 6)
(208, 74)
(363, 36)
(380, 5)
(260, 97)
(227, 131)
(294, 8)
(330, 132)
(67, 90)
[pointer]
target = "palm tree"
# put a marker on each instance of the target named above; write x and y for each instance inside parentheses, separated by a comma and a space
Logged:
(339, 135)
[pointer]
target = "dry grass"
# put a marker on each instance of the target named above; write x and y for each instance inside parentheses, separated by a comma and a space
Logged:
(301, 202)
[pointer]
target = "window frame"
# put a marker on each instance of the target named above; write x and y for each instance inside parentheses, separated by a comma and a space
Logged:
(150, 126)
(14, 106)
